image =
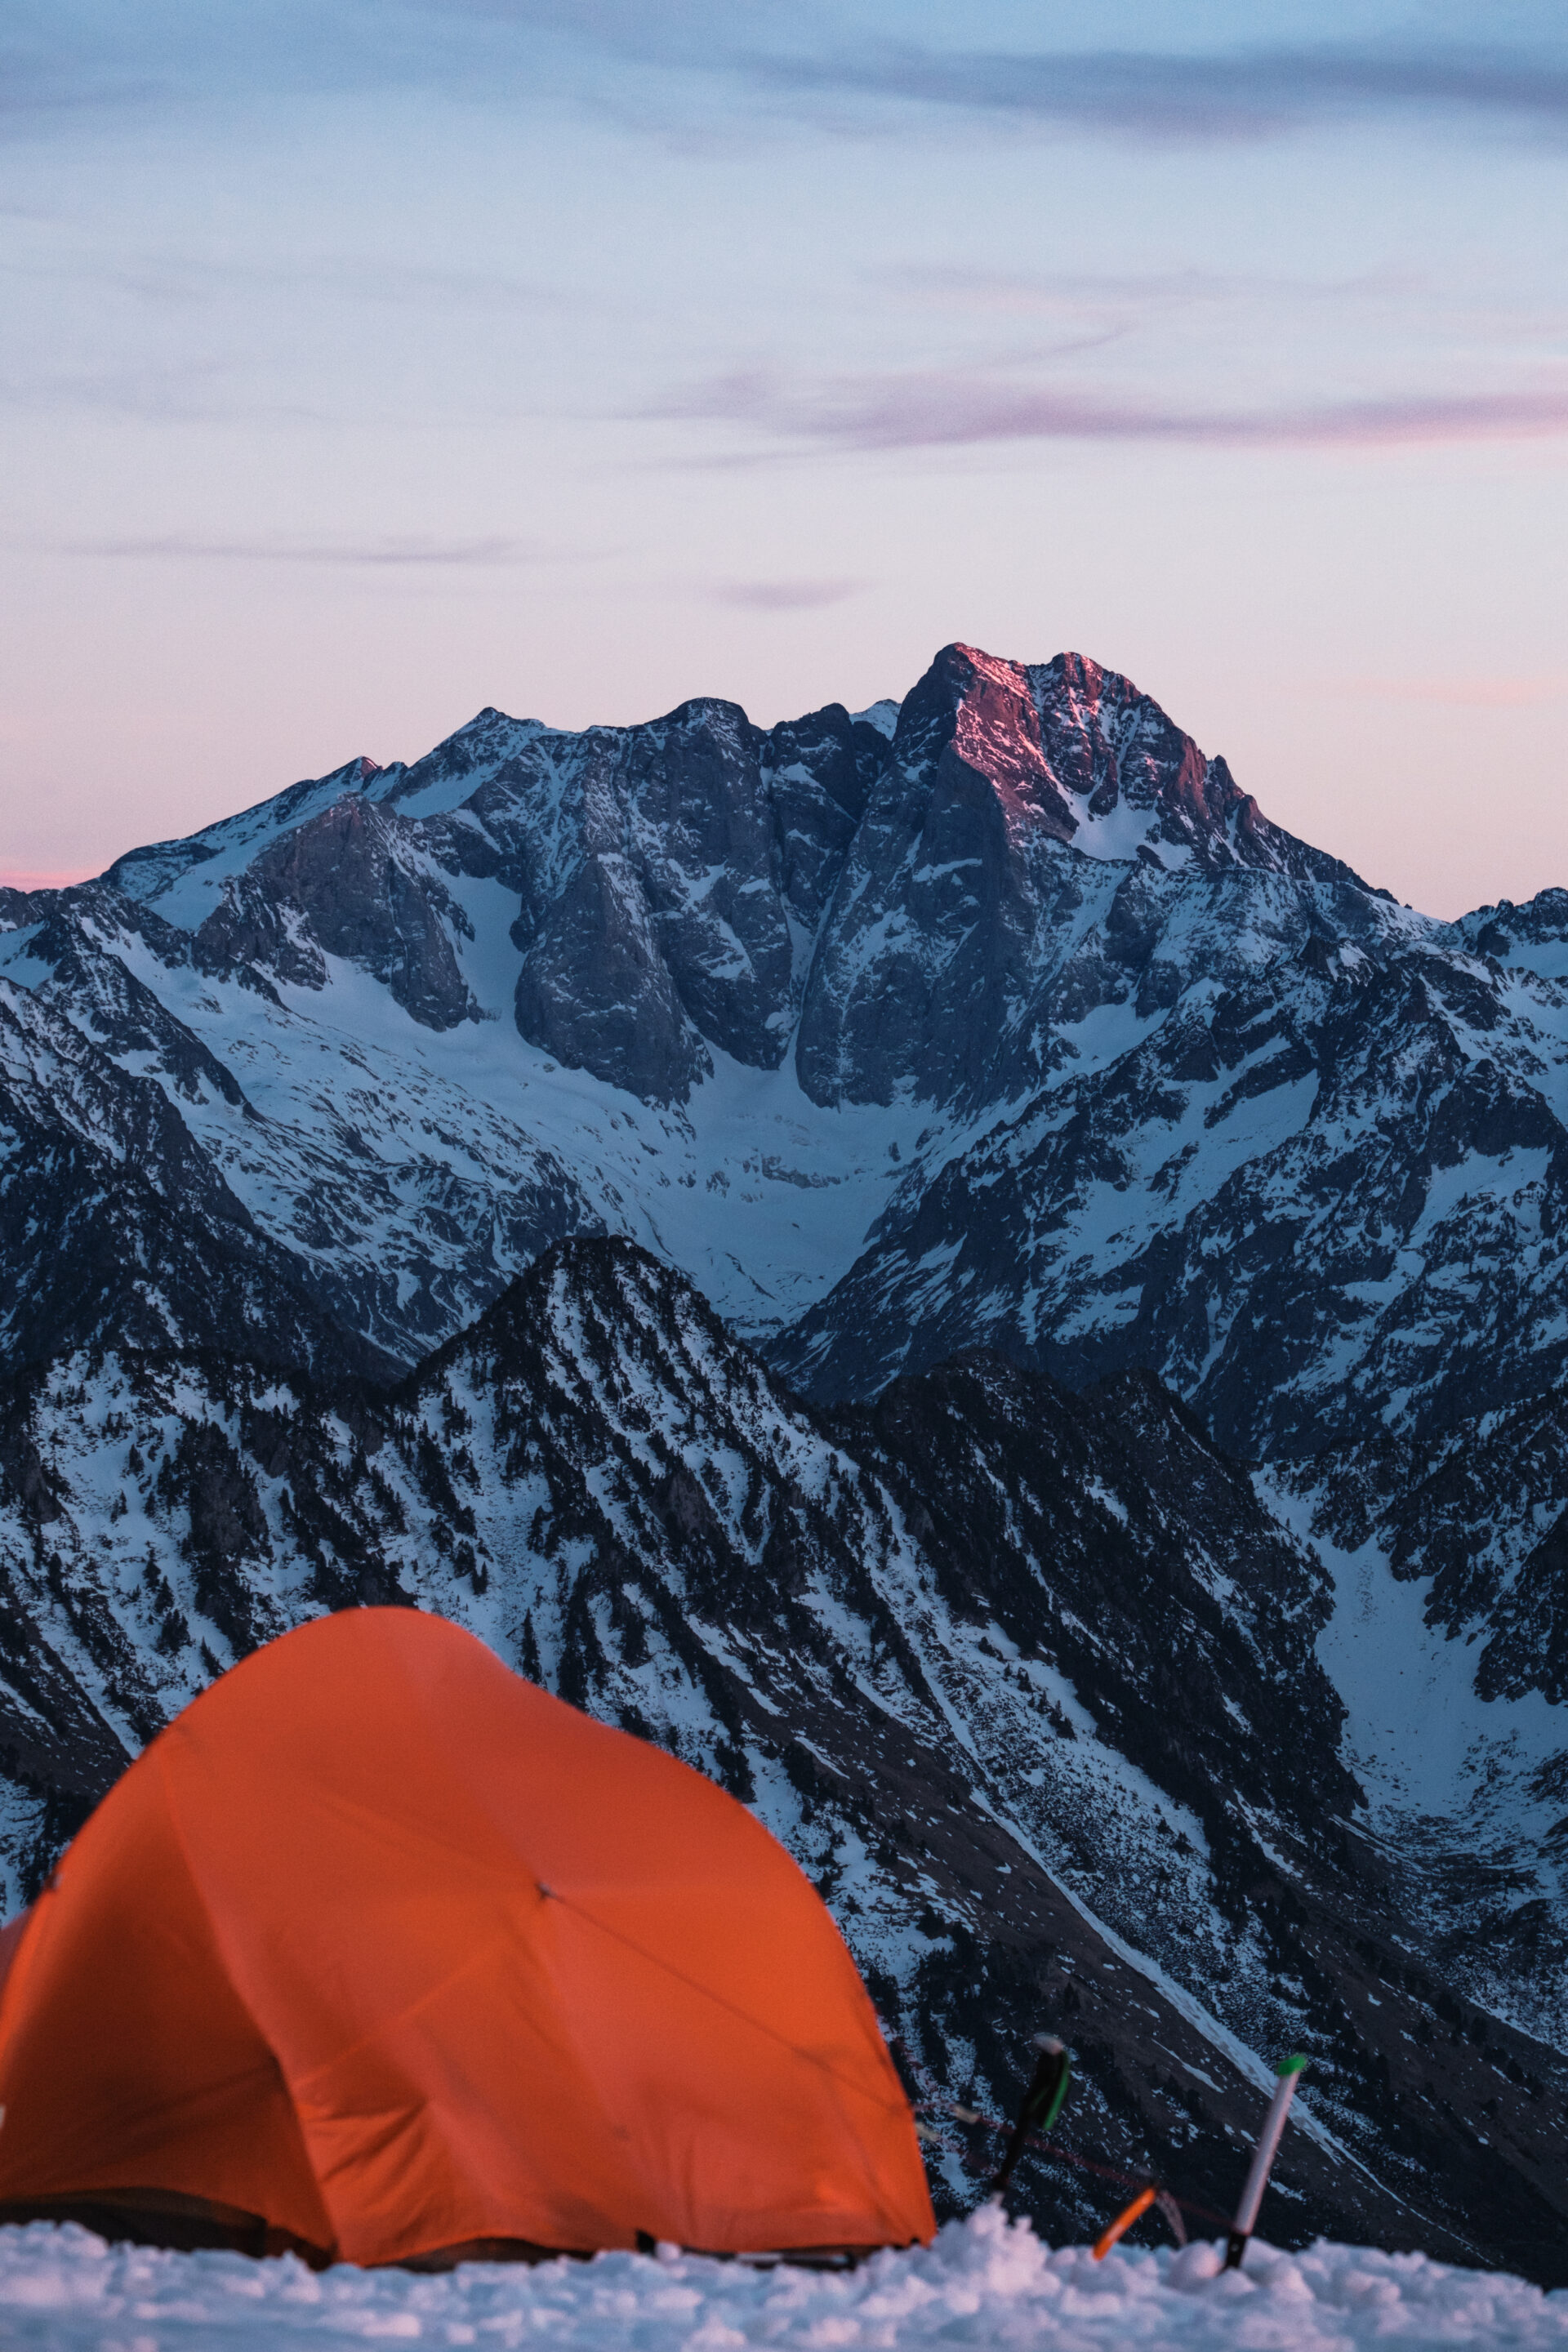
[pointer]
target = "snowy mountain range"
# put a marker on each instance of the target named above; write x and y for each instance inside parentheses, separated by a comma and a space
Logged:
(795, 1235)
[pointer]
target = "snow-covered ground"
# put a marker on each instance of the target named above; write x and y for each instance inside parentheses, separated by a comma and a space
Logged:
(1447, 1773)
(983, 2283)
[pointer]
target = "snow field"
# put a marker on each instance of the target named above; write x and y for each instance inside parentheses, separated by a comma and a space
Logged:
(985, 2282)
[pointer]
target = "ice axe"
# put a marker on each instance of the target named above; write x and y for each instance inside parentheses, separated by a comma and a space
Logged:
(1154, 2195)
(1263, 2155)
(1041, 2102)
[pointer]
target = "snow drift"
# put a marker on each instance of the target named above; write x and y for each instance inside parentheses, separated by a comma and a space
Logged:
(985, 2282)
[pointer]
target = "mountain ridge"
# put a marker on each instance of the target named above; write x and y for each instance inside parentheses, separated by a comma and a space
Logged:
(990, 1136)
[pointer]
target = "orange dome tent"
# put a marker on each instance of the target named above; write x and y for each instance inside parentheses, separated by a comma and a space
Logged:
(381, 1952)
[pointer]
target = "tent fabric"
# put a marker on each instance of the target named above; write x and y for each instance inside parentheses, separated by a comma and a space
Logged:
(382, 1951)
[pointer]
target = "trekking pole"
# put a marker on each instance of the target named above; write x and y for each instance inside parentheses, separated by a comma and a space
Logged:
(1262, 2159)
(1041, 2102)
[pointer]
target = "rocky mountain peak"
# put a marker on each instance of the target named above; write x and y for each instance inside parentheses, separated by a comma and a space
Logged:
(977, 713)
(1079, 754)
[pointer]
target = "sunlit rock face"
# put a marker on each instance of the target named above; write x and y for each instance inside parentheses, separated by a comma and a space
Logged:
(1015, 868)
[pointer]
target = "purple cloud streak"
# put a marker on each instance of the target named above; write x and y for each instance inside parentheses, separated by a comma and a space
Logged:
(935, 410)
(786, 595)
(260, 551)
(1244, 94)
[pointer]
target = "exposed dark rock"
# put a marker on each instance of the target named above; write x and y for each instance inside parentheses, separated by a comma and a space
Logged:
(349, 882)
(115, 1222)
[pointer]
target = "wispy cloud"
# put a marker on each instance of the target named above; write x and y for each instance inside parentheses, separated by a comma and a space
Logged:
(1499, 692)
(954, 410)
(1245, 93)
(785, 595)
(628, 59)
(385, 551)
(192, 278)
(1054, 292)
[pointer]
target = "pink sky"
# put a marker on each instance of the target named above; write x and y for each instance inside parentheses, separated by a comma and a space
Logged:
(581, 361)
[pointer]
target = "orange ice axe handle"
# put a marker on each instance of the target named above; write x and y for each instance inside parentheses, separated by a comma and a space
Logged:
(1263, 2157)
(1124, 2221)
